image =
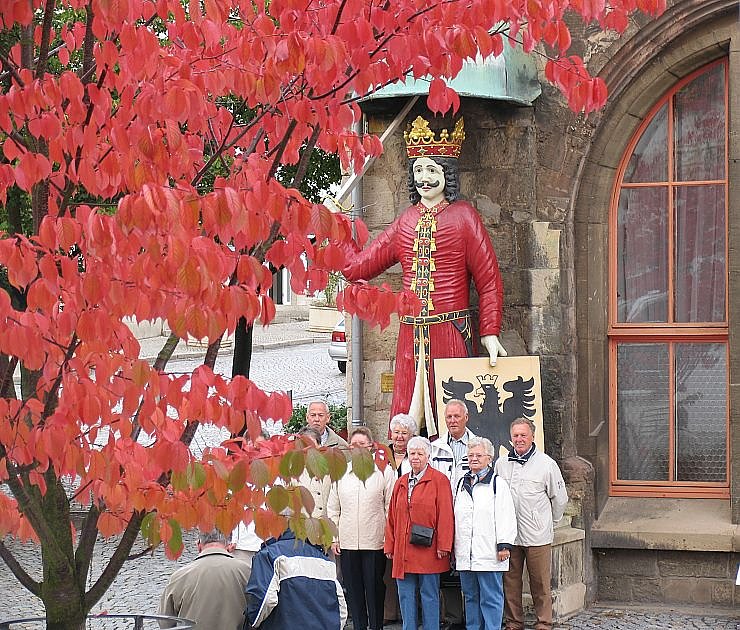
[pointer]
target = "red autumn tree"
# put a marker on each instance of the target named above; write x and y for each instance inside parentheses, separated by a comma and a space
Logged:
(147, 137)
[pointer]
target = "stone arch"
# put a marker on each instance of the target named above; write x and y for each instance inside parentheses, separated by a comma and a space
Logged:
(689, 35)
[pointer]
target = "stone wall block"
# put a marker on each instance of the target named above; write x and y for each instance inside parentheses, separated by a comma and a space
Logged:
(724, 593)
(693, 564)
(505, 146)
(646, 590)
(546, 334)
(629, 563)
(545, 245)
(685, 590)
(384, 210)
(567, 564)
(613, 589)
(517, 285)
(545, 286)
(505, 246)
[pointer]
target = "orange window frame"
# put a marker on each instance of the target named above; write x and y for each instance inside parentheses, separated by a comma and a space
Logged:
(620, 332)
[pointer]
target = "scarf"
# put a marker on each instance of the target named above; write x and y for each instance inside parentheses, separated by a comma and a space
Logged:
(521, 459)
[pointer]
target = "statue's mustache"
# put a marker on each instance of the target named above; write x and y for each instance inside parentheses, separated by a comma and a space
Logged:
(419, 184)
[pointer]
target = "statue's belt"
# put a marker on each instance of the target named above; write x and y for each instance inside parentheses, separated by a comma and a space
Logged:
(439, 318)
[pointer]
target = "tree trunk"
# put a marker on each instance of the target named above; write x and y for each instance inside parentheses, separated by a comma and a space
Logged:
(242, 349)
(63, 589)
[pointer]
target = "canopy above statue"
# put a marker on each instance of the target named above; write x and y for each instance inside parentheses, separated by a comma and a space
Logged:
(512, 77)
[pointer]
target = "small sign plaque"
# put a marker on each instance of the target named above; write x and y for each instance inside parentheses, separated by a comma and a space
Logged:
(386, 382)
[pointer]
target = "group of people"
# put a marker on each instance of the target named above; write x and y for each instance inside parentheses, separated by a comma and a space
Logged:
(447, 508)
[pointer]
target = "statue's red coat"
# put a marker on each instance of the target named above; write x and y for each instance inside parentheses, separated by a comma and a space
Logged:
(464, 249)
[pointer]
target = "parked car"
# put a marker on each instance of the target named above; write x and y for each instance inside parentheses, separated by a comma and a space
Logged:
(338, 346)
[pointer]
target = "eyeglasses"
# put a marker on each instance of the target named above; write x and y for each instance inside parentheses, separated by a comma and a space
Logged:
(477, 455)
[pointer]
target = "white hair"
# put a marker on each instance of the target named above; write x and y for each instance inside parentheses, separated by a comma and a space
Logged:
(481, 441)
(420, 442)
(406, 421)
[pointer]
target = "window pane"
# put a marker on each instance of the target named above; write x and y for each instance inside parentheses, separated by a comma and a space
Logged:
(649, 160)
(700, 127)
(700, 254)
(642, 412)
(701, 411)
(642, 265)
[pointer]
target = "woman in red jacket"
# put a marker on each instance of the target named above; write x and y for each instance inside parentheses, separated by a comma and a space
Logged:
(418, 535)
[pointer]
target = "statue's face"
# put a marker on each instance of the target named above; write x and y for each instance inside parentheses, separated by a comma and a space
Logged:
(429, 180)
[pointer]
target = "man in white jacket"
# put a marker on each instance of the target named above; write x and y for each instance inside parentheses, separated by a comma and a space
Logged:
(540, 497)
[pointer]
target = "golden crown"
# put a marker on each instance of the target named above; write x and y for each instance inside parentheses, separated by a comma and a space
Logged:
(421, 141)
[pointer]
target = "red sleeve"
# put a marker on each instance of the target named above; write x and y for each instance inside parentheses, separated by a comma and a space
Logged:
(483, 266)
(445, 518)
(375, 258)
(390, 522)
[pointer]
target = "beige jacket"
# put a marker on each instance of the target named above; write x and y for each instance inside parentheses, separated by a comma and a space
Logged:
(319, 489)
(359, 509)
(210, 590)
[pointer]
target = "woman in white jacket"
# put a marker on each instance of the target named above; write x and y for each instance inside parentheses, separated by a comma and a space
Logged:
(359, 510)
(485, 530)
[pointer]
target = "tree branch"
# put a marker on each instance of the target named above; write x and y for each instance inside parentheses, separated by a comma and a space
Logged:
(120, 555)
(280, 148)
(302, 168)
(86, 544)
(43, 58)
(18, 571)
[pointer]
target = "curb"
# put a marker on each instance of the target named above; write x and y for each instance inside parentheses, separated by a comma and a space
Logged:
(197, 353)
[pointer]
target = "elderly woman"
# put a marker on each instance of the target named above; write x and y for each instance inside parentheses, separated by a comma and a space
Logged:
(403, 427)
(418, 535)
(358, 509)
(485, 529)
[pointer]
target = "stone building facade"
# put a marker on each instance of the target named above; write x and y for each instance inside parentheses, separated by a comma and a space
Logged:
(547, 185)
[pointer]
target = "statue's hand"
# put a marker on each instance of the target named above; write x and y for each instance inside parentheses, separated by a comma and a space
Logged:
(494, 347)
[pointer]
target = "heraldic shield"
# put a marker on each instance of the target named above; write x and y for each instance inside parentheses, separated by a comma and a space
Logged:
(494, 396)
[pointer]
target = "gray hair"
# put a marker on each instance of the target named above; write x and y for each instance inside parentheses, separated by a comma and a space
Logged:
(484, 442)
(319, 402)
(214, 536)
(522, 420)
(420, 442)
(457, 401)
(406, 421)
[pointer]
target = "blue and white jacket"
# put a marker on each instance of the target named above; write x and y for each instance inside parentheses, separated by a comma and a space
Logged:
(294, 583)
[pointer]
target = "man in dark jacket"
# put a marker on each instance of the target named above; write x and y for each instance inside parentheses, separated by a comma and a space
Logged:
(294, 583)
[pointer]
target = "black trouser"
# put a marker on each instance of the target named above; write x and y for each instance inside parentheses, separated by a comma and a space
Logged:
(363, 578)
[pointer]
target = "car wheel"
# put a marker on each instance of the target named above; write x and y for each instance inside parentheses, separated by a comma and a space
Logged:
(342, 366)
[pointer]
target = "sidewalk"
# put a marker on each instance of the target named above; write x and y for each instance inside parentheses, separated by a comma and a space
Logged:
(293, 333)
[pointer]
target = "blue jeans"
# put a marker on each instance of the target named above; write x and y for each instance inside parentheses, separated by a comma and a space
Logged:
(484, 599)
(428, 585)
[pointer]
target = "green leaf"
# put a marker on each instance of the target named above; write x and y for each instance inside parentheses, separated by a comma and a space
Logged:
(150, 529)
(363, 464)
(316, 463)
(238, 476)
(306, 500)
(337, 463)
(314, 532)
(278, 498)
(196, 475)
(292, 464)
(175, 542)
(179, 481)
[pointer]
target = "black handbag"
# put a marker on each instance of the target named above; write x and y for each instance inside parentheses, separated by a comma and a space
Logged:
(421, 536)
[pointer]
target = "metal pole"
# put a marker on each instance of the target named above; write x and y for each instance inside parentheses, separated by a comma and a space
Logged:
(358, 379)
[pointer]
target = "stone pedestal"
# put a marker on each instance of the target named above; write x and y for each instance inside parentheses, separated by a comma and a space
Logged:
(568, 587)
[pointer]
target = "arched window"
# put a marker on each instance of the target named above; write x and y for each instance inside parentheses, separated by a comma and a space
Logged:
(668, 321)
